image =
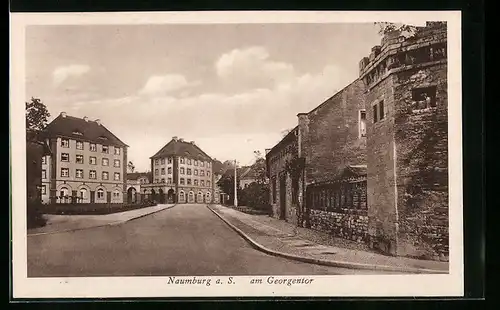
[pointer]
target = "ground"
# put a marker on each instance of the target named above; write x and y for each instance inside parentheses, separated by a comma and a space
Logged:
(184, 240)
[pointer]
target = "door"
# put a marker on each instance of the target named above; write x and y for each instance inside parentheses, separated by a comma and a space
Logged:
(109, 197)
(283, 197)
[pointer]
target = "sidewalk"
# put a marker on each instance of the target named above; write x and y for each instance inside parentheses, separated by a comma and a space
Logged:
(284, 239)
(62, 223)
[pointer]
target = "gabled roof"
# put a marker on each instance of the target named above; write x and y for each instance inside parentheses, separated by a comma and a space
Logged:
(136, 175)
(181, 148)
(81, 129)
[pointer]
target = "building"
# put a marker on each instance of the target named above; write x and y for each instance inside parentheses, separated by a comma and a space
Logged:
(88, 164)
(134, 182)
(182, 173)
(370, 163)
(218, 171)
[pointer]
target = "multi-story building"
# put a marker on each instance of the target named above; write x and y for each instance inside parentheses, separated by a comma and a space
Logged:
(370, 164)
(182, 173)
(135, 181)
(87, 165)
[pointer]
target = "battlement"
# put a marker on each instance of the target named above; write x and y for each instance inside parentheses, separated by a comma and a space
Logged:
(397, 51)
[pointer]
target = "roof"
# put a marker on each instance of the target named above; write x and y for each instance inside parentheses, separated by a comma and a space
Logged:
(354, 171)
(137, 175)
(177, 147)
(248, 173)
(291, 136)
(81, 129)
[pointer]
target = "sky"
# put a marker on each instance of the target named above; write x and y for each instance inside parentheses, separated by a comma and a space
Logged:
(232, 88)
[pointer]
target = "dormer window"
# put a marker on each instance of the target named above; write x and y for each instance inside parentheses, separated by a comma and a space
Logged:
(77, 132)
(103, 138)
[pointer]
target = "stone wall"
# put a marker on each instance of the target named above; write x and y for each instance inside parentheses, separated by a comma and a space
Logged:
(332, 139)
(350, 226)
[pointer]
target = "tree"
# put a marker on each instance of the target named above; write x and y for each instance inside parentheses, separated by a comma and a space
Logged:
(37, 116)
(260, 168)
(131, 167)
(226, 183)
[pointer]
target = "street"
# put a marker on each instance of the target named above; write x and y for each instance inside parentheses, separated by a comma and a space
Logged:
(184, 240)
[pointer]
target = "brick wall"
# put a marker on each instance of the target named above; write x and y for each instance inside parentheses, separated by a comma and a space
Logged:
(343, 225)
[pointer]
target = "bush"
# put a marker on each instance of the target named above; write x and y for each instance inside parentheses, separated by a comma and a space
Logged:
(34, 216)
(93, 209)
(256, 196)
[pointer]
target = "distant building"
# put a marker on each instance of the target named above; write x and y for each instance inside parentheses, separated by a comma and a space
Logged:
(181, 173)
(218, 172)
(87, 165)
(136, 181)
(370, 164)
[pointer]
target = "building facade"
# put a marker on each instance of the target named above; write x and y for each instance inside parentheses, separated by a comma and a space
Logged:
(181, 173)
(371, 161)
(136, 181)
(87, 165)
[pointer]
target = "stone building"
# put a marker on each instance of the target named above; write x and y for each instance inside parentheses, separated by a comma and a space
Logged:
(182, 173)
(87, 165)
(370, 163)
(136, 180)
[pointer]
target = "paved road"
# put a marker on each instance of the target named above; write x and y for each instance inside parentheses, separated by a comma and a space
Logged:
(184, 240)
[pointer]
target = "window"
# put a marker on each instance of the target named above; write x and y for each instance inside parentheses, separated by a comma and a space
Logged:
(64, 157)
(157, 172)
(100, 193)
(44, 174)
(182, 170)
(44, 160)
(117, 176)
(93, 147)
(105, 149)
(188, 170)
(79, 159)
(208, 173)
(169, 170)
(202, 173)
(105, 162)
(362, 123)
(196, 163)
(195, 172)
(44, 189)
(64, 192)
(79, 145)
(375, 113)
(157, 161)
(116, 163)
(181, 160)
(169, 180)
(188, 181)
(208, 164)
(105, 175)
(65, 172)
(156, 180)
(273, 182)
(163, 161)
(424, 97)
(202, 183)
(93, 160)
(79, 173)
(208, 183)
(116, 194)
(163, 171)
(92, 174)
(117, 151)
(163, 180)
(64, 143)
(202, 164)
(181, 181)
(382, 111)
(170, 160)
(189, 161)
(196, 182)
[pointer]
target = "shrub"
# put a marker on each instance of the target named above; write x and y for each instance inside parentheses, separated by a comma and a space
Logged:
(257, 197)
(34, 216)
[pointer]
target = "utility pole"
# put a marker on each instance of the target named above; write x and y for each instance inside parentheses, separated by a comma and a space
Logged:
(235, 185)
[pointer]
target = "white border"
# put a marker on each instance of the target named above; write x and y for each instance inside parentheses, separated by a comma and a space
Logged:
(344, 286)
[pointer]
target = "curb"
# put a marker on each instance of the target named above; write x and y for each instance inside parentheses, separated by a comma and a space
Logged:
(324, 262)
(97, 226)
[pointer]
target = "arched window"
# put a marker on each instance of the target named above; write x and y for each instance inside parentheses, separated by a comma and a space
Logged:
(100, 193)
(64, 194)
(182, 196)
(191, 197)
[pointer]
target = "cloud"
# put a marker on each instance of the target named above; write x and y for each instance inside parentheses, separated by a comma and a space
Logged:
(164, 84)
(61, 74)
(252, 67)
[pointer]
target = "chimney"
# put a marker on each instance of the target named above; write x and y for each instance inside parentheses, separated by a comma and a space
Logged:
(267, 151)
(85, 118)
(192, 142)
(63, 114)
(181, 140)
(98, 121)
(175, 138)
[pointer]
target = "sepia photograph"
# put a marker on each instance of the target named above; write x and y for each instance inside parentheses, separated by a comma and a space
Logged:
(215, 157)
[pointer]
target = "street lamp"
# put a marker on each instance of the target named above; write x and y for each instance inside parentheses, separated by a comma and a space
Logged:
(235, 185)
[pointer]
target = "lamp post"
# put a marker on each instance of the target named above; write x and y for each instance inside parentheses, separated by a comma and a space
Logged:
(235, 185)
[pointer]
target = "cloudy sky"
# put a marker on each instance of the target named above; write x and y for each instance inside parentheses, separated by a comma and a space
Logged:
(232, 88)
